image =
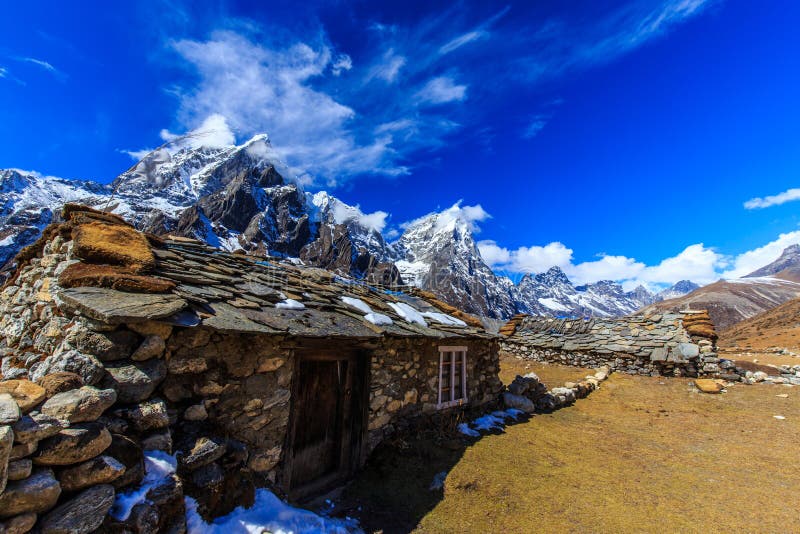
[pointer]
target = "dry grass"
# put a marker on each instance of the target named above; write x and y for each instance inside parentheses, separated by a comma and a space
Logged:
(113, 277)
(640, 454)
(102, 243)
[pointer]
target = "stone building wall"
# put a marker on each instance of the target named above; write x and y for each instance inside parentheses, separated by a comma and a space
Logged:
(669, 344)
(80, 402)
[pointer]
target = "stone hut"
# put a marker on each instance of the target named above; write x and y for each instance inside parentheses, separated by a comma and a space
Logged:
(252, 372)
(668, 344)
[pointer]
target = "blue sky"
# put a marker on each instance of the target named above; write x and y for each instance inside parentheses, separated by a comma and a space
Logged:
(616, 139)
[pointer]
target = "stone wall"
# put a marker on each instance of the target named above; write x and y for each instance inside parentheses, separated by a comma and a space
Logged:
(80, 402)
(669, 344)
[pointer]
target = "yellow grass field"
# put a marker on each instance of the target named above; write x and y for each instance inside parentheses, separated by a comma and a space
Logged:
(640, 454)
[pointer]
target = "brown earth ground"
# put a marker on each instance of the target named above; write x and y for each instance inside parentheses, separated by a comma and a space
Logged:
(640, 454)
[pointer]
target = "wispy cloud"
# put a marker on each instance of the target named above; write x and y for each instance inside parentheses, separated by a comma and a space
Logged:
(387, 68)
(332, 116)
(441, 90)
(773, 200)
(3, 72)
(461, 40)
(535, 126)
(44, 64)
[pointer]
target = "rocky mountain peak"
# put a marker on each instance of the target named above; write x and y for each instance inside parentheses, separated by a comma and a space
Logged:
(787, 265)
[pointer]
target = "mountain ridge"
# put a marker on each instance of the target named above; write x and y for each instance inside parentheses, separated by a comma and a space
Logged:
(234, 197)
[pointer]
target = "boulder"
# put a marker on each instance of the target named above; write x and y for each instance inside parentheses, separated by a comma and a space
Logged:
(707, 385)
(152, 347)
(19, 469)
(106, 346)
(143, 519)
(167, 497)
(86, 366)
(19, 524)
(519, 402)
(6, 444)
(82, 514)
(27, 394)
(37, 493)
(21, 450)
(135, 382)
(80, 405)
(36, 426)
(160, 440)
(689, 351)
(100, 470)
(129, 454)
(60, 382)
(9, 410)
(204, 451)
(196, 412)
(148, 415)
(73, 445)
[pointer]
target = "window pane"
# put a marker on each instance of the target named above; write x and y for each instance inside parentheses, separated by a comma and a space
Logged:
(458, 392)
(445, 385)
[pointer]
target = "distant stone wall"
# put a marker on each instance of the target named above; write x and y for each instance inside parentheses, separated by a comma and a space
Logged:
(81, 401)
(669, 344)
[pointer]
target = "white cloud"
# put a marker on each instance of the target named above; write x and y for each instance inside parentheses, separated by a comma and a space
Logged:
(343, 214)
(461, 40)
(493, 254)
(3, 72)
(388, 67)
(441, 90)
(752, 260)
(696, 263)
(535, 126)
(260, 89)
(773, 200)
(342, 63)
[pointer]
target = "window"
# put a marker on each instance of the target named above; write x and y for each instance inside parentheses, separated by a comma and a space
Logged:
(452, 376)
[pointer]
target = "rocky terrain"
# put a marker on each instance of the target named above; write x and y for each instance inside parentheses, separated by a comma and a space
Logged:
(235, 197)
(778, 327)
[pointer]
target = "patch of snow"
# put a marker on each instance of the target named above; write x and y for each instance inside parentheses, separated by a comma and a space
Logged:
(553, 304)
(357, 304)
(290, 304)
(466, 430)
(408, 313)
(158, 465)
(779, 417)
(268, 514)
(443, 318)
(494, 421)
(438, 481)
(378, 319)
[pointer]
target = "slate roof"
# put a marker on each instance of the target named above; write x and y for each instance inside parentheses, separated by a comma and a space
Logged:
(246, 294)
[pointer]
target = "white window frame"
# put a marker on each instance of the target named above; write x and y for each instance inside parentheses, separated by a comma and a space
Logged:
(463, 400)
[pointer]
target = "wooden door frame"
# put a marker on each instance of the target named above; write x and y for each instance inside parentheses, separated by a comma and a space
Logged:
(351, 458)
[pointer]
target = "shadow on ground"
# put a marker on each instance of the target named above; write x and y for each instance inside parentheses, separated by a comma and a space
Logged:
(396, 489)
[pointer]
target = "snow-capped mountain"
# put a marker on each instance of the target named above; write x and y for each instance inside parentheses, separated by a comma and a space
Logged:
(679, 289)
(438, 253)
(235, 197)
(552, 293)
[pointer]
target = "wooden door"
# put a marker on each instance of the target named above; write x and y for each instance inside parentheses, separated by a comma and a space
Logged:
(327, 422)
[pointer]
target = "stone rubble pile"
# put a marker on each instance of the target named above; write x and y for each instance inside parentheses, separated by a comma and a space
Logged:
(529, 394)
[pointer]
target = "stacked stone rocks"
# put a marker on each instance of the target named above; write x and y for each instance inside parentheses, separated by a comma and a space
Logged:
(669, 344)
(529, 394)
(76, 413)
